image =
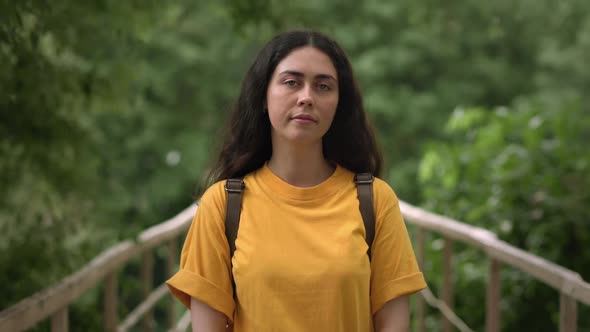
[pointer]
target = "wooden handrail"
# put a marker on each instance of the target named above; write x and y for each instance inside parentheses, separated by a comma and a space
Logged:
(54, 300)
(183, 324)
(28, 312)
(445, 310)
(558, 277)
(169, 229)
(143, 308)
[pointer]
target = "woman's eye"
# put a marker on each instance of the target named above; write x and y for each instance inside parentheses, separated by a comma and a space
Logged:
(291, 83)
(324, 87)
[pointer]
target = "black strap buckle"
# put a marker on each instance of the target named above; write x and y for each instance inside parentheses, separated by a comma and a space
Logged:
(234, 185)
(364, 178)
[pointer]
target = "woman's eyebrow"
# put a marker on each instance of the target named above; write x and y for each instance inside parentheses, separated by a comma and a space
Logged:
(300, 74)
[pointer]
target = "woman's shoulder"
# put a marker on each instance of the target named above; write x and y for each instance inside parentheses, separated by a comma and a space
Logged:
(384, 194)
(214, 195)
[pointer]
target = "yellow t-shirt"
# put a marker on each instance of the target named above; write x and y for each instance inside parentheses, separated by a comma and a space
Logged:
(300, 262)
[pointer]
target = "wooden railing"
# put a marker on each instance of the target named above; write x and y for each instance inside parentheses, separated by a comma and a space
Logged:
(53, 302)
(570, 285)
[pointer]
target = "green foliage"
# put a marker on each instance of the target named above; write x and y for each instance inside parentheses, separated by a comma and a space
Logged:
(521, 173)
(46, 170)
(107, 111)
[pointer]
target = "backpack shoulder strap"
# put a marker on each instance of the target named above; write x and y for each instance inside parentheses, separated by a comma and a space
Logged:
(233, 189)
(364, 187)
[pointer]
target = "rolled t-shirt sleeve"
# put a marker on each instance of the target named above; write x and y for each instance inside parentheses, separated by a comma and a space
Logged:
(205, 271)
(394, 269)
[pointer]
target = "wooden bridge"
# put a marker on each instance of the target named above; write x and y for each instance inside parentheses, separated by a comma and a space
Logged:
(52, 303)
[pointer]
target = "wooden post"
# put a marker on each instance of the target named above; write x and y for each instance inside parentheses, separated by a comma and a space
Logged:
(568, 314)
(110, 302)
(59, 320)
(447, 291)
(420, 305)
(493, 297)
(147, 263)
(171, 261)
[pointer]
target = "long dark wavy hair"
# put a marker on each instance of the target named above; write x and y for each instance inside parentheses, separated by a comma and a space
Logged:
(350, 141)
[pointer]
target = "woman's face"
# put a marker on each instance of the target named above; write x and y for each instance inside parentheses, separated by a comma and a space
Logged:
(302, 96)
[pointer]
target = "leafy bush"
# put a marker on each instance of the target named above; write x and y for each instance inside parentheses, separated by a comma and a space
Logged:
(522, 173)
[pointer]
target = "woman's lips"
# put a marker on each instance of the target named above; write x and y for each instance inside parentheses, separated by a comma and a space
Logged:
(304, 119)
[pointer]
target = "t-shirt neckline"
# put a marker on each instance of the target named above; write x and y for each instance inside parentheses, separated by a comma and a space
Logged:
(278, 186)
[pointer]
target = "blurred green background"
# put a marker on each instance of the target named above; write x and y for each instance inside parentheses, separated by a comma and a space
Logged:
(110, 112)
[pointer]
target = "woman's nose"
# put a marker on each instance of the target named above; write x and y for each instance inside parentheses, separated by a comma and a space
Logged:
(305, 96)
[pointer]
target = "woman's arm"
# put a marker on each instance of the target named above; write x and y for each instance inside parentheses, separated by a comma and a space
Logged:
(206, 319)
(394, 316)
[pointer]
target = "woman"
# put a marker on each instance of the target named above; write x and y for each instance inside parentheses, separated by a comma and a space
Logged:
(298, 135)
